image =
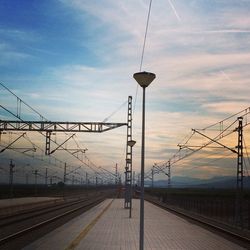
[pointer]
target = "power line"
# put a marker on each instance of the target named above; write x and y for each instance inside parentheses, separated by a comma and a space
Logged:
(114, 112)
(43, 118)
(21, 101)
(143, 48)
(145, 36)
(247, 157)
(246, 111)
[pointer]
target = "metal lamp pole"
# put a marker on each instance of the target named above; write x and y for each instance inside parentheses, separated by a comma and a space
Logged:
(131, 143)
(144, 79)
(142, 173)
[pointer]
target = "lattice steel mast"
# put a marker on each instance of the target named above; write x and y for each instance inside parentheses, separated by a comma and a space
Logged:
(128, 172)
(239, 183)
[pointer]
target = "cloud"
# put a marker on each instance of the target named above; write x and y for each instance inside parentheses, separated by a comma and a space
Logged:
(19, 35)
(10, 55)
(15, 45)
(225, 107)
(201, 64)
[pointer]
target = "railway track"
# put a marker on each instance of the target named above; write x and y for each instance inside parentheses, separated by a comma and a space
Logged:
(38, 222)
(225, 231)
(25, 215)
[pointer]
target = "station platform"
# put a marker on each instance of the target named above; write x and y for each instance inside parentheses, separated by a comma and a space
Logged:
(108, 227)
(16, 205)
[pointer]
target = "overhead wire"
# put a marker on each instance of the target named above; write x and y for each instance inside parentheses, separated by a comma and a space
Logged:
(216, 159)
(246, 110)
(178, 157)
(115, 111)
(143, 48)
(245, 146)
(42, 117)
(21, 101)
(145, 36)
(23, 121)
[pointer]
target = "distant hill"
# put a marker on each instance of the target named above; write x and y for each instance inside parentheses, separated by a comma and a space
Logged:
(215, 182)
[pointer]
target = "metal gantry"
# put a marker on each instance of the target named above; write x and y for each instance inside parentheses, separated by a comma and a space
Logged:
(240, 159)
(164, 168)
(49, 127)
(110, 174)
(46, 128)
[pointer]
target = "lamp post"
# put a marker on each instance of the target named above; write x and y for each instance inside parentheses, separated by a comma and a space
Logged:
(143, 79)
(12, 165)
(131, 143)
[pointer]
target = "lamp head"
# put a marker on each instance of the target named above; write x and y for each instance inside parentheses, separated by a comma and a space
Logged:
(144, 78)
(131, 143)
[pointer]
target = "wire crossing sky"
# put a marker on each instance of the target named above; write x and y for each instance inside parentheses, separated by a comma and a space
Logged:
(74, 60)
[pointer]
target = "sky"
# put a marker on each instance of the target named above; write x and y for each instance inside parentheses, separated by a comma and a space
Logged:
(74, 60)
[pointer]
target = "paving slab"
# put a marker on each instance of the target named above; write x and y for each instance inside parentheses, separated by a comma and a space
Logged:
(108, 227)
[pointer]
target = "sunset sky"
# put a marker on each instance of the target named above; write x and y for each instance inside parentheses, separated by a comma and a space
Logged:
(74, 61)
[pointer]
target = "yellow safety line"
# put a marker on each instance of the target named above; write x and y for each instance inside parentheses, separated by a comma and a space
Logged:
(84, 232)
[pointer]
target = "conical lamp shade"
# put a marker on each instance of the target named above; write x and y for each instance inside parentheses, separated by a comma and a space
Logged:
(144, 78)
